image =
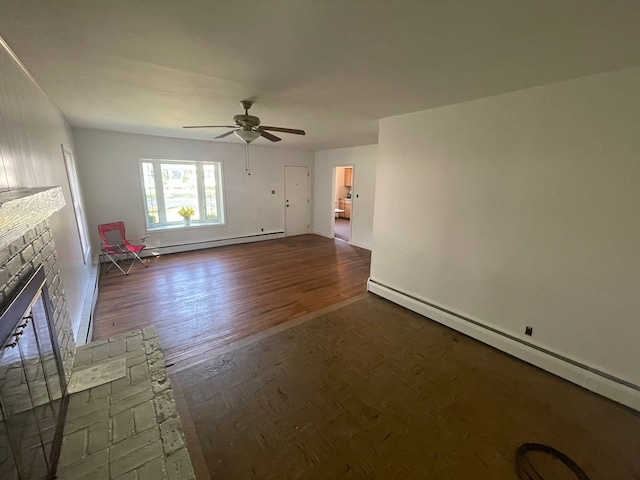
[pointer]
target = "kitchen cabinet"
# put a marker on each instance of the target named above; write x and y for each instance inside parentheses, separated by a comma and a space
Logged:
(345, 204)
(348, 177)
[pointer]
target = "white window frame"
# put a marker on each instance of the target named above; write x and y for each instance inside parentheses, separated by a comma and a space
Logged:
(76, 200)
(164, 225)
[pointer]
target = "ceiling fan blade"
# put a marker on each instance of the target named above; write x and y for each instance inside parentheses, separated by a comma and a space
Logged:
(284, 130)
(268, 135)
(226, 134)
(210, 126)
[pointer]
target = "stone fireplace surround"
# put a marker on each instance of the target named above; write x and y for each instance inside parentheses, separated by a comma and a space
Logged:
(140, 436)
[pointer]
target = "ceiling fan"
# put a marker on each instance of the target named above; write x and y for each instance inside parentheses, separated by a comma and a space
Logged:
(248, 128)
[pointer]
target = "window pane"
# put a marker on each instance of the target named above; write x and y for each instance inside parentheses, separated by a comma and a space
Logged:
(180, 188)
(210, 191)
(151, 197)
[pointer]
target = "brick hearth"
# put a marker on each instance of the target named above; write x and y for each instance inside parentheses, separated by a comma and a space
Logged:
(127, 429)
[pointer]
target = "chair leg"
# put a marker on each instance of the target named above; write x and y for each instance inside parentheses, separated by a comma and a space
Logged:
(133, 257)
(138, 259)
(126, 256)
(131, 261)
(114, 261)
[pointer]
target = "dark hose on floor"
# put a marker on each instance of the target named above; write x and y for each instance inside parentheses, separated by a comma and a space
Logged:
(527, 471)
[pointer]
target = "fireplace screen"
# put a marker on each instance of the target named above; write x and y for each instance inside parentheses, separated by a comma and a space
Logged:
(32, 386)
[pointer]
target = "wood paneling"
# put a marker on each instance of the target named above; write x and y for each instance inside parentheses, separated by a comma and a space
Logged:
(207, 298)
(31, 131)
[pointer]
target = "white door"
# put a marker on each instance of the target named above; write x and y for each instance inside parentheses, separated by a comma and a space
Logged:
(296, 192)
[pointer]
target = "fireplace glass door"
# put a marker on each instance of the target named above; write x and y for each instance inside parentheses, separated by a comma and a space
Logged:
(31, 396)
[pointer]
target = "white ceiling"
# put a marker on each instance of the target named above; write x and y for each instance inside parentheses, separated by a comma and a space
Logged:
(330, 67)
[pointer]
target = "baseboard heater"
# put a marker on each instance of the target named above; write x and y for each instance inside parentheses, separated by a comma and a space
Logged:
(185, 247)
(591, 378)
(151, 251)
(85, 330)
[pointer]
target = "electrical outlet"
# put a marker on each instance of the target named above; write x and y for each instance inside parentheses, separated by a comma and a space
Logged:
(528, 331)
(262, 229)
(273, 192)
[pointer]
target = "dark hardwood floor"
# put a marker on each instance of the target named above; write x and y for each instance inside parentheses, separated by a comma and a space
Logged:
(207, 298)
(342, 228)
(374, 391)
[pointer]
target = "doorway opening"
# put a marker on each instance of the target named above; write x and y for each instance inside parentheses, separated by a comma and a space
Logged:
(343, 212)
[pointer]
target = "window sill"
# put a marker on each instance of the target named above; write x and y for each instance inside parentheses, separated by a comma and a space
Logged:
(191, 226)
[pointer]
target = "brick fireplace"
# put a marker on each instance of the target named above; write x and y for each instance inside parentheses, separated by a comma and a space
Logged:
(126, 427)
(26, 243)
(37, 347)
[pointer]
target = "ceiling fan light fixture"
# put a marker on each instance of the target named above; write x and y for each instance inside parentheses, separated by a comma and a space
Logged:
(247, 127)
(247, 136)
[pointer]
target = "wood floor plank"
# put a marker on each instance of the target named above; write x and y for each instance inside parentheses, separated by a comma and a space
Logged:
(203, 299)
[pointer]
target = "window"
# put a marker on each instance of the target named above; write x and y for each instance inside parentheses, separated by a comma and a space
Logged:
(170, 185)
(72, 176)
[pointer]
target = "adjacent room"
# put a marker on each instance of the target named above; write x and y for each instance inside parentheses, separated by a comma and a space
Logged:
(342, 205)
(319, 240)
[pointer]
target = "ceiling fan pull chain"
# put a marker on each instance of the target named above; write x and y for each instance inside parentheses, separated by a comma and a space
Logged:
(246, 156)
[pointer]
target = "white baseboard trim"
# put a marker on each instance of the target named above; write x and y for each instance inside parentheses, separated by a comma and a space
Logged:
(85, 329)
(351, 242)
(151, 251)
(616, 389)
(323, 234)
(360, 245)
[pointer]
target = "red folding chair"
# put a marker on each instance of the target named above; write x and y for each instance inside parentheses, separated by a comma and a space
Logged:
(116, 247)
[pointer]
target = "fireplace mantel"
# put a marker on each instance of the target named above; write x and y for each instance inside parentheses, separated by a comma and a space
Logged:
(24, 208)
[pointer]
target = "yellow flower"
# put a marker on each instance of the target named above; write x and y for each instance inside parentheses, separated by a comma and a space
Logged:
(186, 212)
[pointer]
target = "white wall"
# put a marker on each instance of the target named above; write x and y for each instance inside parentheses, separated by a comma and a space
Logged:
(31, 132)
(522, 209)
(364, 160)
(109, 172)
